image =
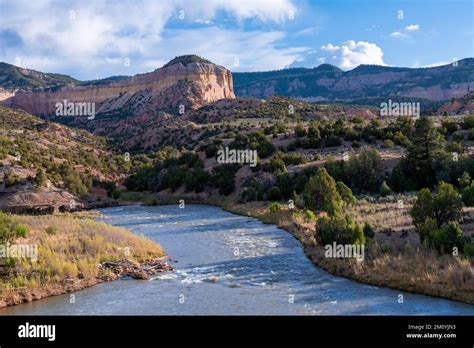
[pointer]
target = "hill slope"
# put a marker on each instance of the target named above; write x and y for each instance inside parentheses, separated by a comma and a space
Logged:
(46, 164)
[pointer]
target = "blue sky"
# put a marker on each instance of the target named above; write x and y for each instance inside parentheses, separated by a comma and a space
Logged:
(96, 39)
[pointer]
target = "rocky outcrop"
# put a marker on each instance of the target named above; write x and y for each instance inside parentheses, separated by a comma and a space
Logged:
(192, 83)
(39, 202)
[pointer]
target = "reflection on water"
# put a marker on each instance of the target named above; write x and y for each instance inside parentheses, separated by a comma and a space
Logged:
(229, 264)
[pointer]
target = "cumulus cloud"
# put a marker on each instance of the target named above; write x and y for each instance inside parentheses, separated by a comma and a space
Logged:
(350, 54)
(347, 55)
(92, 39)
(355, 53)
(330, 48)
(412, 27)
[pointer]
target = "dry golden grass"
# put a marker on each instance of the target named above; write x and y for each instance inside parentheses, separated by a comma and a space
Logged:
(69, 249)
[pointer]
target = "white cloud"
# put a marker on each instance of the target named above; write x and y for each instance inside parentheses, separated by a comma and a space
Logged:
(350, 54)
(398, 35)
(95, 42)
(308, 31)
(253, 51)
(361, 52)
(330, 48)
(412, 27)
(405, 33)
(347, 55)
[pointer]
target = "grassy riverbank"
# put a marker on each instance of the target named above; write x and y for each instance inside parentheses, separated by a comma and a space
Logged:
(70, 251)
(389, 263)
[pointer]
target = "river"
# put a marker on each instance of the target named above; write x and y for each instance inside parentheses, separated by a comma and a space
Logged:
(230, 265)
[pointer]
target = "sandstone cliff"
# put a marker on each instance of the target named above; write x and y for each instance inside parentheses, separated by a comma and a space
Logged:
(189, 82)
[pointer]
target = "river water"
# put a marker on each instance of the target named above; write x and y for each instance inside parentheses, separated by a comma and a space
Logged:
(230, 265)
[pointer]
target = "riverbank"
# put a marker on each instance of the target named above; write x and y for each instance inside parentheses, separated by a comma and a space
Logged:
(74, 252)
(410, 267)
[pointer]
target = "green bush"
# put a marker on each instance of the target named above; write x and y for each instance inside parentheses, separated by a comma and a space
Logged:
(436, 209)
(385, 190)
(10, 229)
(468, 122)
(388, 144)
(468, 195)
(51, 230)
(274, 194)
(223, 178)
(275, 166)
(345, 193)
(446, 238)
(469, 249)
(309, 215)
(320, 193)
(425, 227)
(274, 207)
(444, 205)
(116, 193)
(300, 131)
(368, 231)
(464, 180)
(340, 229)
(40, 178)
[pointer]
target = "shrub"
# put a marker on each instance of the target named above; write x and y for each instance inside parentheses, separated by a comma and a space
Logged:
(468, 195)
(332, 141)
(321, 193)
(469, 249)
(468, 122)
(345, 193)
(426, 227)
(275, 166)
(363, 173)
(11, 179)
(385, 190)
(443, 206)
(286, 185)
(274, 194)
(116, 193)
(51, 230)
(340, 229)
(223, 178)
(388, 144)
(309, 215)
(10, 229)
(300, 131)
(464, 180)
(274, 207)
(446, 238)
(197, 179)
(40, 178)
(368, 231)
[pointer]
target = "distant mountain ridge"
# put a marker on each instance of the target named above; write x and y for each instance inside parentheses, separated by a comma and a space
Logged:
(329, 83)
